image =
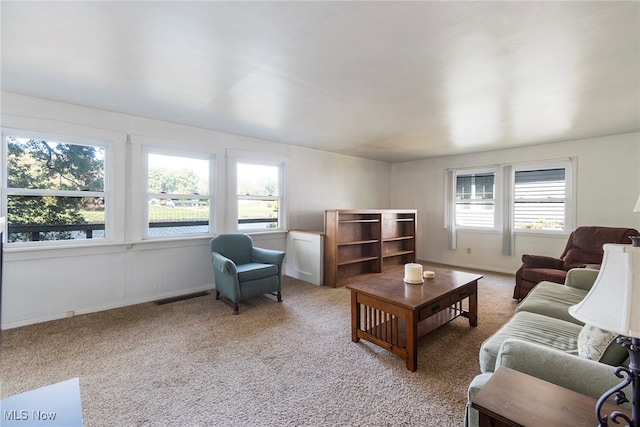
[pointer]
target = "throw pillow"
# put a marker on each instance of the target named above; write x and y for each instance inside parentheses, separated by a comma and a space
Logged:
(592, 342)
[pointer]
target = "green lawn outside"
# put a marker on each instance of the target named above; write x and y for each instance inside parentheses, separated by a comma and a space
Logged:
(248, 209)
(257, 209)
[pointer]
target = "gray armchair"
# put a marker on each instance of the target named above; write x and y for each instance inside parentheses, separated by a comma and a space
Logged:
(242, 271)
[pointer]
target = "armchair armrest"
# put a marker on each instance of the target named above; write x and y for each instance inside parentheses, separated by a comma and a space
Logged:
(566, 370)
(267, 256)
(223, 264)
(541, 261)
(581, 278)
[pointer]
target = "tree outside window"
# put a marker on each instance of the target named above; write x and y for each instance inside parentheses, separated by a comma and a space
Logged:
(54, 190)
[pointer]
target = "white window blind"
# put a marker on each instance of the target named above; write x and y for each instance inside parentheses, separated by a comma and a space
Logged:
(540, 199)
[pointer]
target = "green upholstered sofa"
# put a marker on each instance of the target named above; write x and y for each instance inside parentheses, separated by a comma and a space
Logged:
(541, 339)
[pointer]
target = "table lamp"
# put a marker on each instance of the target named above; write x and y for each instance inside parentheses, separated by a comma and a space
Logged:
(612, 304)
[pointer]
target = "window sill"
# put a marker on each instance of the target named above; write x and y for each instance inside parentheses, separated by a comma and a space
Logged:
(102, 248)
(19, 253)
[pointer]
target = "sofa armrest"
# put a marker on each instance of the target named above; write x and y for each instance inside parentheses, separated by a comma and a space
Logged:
(267, 256)
(223, 264)
(569, 371)
(581, 278)
(541, 261)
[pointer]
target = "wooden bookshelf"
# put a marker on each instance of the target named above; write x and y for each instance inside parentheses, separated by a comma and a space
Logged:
(367, 241)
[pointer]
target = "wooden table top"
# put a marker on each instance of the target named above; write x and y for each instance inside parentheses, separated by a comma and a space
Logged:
(518, 399)
(391, 286)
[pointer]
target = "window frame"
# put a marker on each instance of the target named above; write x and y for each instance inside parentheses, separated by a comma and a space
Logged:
(280, 198)
(496, 198)
(106, 193)
(569, 207)
(210, 157)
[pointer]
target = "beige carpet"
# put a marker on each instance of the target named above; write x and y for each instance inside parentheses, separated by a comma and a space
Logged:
(191, 363)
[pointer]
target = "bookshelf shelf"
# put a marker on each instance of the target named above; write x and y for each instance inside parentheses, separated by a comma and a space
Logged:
(359, 242)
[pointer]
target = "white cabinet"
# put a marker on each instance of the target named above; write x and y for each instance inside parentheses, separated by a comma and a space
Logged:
(305, 251)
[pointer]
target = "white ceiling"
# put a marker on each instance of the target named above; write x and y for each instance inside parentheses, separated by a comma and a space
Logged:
(391, 81)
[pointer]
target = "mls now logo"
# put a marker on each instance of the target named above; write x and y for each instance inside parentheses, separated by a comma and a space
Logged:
(24, 415)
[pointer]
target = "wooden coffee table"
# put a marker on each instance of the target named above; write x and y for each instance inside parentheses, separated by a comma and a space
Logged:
(394, 315)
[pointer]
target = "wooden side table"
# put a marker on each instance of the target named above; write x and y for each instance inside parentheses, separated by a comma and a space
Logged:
(513, 399)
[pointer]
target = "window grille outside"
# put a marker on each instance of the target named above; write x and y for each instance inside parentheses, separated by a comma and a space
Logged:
(475, 200)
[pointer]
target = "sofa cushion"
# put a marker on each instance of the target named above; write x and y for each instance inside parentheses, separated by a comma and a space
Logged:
(600, 345)
(582, 278)
(553, 300)
(537, 275)
(254, 271)
(534, 328)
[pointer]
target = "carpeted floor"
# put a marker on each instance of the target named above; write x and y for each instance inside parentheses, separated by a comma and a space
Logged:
(191, 363)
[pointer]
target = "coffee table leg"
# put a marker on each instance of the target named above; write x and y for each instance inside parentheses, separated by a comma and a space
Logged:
(411, 328)
(355, 316)
(473, 307)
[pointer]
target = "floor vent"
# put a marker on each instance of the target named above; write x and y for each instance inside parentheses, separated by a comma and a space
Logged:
(180, 298)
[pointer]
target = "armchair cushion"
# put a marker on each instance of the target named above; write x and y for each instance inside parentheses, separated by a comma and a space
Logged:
(537, 275)
(541, 261)
(254, 271)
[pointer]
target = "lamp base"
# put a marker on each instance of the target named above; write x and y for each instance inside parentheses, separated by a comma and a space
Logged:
(635, 241)
(633, 378)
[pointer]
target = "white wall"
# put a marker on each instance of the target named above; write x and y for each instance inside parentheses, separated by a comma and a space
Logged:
(45, 284)
(607, 187)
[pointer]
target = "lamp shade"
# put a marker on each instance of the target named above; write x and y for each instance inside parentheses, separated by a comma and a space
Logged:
(637, 207)
(613, 303)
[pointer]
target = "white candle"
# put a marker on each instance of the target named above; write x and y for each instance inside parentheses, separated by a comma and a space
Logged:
(413, 273)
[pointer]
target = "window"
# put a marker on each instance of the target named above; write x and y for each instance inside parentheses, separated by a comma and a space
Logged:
(475, 199)
(540, 198)
(178, 194)
(54, 188)
(259, 193)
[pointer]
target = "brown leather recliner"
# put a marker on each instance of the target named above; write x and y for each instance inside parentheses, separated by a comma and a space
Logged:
(584, 249)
